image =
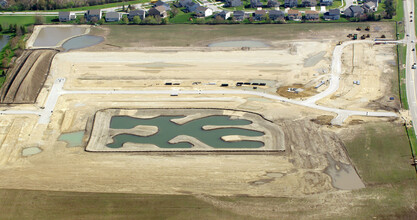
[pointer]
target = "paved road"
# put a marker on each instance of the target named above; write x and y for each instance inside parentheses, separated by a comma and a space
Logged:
(57, 91)
(411, 75)
(336, 69)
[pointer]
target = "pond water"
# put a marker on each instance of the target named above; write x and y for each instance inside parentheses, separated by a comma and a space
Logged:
(81, 42)
(51, 36)
(169, 130)
(240, 43)
(3, 41)
(31, 151)
(73, 139)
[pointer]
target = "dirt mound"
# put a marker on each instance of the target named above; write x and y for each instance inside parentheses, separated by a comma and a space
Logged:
(309, 145)
(25, 79)
(301, 92)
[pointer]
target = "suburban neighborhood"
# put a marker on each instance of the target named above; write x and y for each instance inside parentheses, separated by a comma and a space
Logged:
(232, 11)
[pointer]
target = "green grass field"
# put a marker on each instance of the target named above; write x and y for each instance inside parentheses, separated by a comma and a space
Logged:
(382, 156)
(402, 52)
(23, 204)
(23, 20)
(399, 11)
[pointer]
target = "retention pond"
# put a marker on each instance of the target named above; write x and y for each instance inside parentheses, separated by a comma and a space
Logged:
(169, 130)
(52, 36)
(82, 42)
(3, 41)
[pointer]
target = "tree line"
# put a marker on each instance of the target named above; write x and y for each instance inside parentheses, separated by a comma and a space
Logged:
(20, 5)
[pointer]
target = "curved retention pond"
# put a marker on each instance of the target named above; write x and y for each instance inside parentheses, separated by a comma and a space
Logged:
(82, 42)
(169, 130)
(240, 43)
(51, 36)
(3, 41)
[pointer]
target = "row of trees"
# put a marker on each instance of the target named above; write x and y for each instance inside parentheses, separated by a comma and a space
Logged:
(16, 44)
(19, 5)
(19, 30)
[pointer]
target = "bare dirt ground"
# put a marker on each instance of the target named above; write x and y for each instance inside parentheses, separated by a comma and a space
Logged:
(26, 79)
(296, 176)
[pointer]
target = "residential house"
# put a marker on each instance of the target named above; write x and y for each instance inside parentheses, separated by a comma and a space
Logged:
(113, 16)
(164, 4)
(326, 2)
(332, 14)
(369, 7)
(259, 15)
(66, 16)
(203, 11)
(95, 13)
(311, 15)
(255, 3)
(192, 6)
(140, 13)
(294, 15)
(354, 11)
(158, 11)
(233, 3)
(239, 15)
(309, 3)
(224, 15)
(290, 3)
(183, 3)
(276, 15)
(272, 4)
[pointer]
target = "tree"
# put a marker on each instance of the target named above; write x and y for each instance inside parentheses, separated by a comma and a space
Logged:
(18, 31)
(125, 20)
(150, 20)
(11, 28)
(165, 21)
(390, 8)
(23, 29)
(39, 20)
(101, 21)
(1, 28)
(174, 12)
(136, 20)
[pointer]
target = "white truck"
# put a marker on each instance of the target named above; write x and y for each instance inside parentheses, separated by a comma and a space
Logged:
(414, 66)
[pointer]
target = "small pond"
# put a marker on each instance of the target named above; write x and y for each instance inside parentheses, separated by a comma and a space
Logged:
(240, 43)
(3, 41)
(51, 36)
(169, 130)
(73, 139)
(82, 42)
(31, 151)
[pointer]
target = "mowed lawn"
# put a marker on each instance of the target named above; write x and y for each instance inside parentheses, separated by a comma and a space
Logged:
(23, 20)
(200, 35)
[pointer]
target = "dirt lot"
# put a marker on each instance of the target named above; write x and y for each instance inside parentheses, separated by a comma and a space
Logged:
(26, 78)
(134, 37)
(293, 184)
